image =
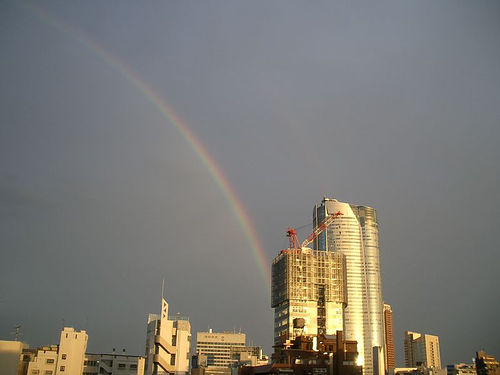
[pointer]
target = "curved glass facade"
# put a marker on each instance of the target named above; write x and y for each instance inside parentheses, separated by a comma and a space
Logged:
(355, 234)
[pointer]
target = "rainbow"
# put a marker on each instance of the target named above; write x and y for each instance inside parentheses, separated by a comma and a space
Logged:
(169, 114)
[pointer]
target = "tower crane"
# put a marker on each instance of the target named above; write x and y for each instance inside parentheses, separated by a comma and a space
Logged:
(294, 240)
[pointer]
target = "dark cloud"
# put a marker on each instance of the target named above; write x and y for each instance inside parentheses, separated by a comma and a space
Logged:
(393, 105)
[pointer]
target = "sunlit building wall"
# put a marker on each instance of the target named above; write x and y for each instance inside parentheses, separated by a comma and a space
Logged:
(355, 234)
(308, 293)
(168, 342)
(214, 348)
(71, 354)
(422, 350)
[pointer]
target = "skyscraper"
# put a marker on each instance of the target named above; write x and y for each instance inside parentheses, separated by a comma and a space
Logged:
(355, 234)
(390, 362)
(422, 350)
(308, 293)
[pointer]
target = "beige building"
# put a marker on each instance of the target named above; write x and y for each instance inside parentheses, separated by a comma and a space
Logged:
(168, 342)
(422, 350)
(461, 369)
(213, 349)
(10, 357)
(71, 355)
(44, 361)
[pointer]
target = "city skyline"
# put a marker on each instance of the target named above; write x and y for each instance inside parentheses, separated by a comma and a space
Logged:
(174, 141)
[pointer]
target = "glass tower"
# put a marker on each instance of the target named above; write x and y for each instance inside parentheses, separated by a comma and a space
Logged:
(355, 234)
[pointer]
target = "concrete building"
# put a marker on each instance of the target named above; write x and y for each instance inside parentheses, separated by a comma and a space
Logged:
(422, 350)
(486, 364)
(43, 361)
(461, 369)
(113, 364)
(308, 293)
(11, 357)
(390, 361)
(168, 342)
(355, 234)
(71, 354)
(213, 349)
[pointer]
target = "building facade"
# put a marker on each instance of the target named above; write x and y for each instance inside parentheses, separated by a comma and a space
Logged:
(308, 293)
(422, 350)
(214, 349)
(113, 364)
(355, 234)
(486, 364)
(11, 357)
(71, 355)
(461, 369)
(168, 342)
(44, 361)
(390, 361)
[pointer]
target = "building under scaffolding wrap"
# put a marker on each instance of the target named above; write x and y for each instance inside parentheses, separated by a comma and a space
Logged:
(308, 293)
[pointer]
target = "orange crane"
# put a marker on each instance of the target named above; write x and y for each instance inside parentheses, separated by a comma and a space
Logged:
(294, 240)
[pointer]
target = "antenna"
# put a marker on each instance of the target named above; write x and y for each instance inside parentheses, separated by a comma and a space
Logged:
(17, 332)
(163, 288)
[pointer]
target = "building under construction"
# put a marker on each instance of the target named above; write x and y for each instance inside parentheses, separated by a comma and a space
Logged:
(308, 293)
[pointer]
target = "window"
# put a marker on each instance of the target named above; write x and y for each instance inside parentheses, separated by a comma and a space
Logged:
(48, 372)
(35, 372)
(63, 356)
(172, 359)
(62, 368)
(49, 360)
(133, 367)
(121, 365)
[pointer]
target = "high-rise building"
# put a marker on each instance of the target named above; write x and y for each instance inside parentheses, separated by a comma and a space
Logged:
(390, 361)
(168, 342)
(355, 234)
(308, 293)
(422, 350)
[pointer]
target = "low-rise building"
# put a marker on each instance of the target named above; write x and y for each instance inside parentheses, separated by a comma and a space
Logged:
(113, 364)
(486, 364)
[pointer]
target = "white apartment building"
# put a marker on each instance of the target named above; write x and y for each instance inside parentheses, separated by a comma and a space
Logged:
(71, 355)
(168, 342)
(44, 362)
(355, 234)
(214, 349)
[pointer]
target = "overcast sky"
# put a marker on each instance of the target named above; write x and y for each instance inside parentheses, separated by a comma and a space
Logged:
(395, 105)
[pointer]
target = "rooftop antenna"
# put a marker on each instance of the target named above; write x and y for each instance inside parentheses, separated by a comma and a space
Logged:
(17, 332)
(163, 288)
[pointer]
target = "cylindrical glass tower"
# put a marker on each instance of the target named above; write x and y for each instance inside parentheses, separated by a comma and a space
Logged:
(355, 234)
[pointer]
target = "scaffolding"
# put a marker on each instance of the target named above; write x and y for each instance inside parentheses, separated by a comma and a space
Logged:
(308, 275)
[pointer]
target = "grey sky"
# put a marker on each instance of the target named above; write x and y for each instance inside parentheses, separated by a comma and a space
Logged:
(390, 104)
